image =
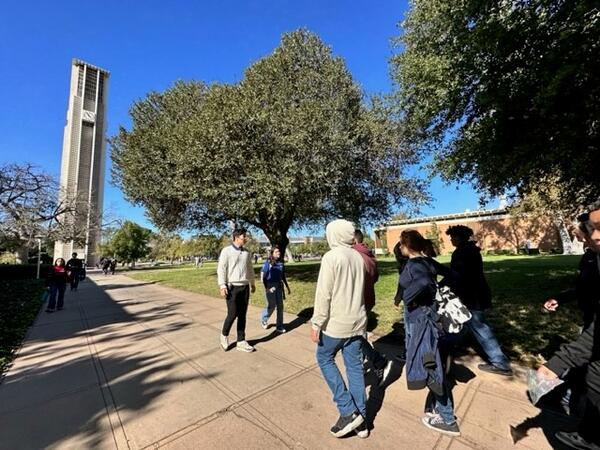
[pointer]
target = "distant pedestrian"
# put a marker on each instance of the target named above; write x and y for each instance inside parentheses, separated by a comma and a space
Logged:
(56, 283)
(113, 266)
(381, 365)
(235, 275)
(423, 360)
(75, 269)
(468, 282)
(106, 266)
(272, 275)
(255, 259)
(339, 323)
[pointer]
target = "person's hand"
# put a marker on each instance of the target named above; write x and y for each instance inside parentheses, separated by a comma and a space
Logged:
(551, 305)
(272, 289)
(544, 372)
(224, 292)
(314, 335)
(253, 288)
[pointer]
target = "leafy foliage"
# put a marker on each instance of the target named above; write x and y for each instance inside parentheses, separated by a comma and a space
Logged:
(128, 243)
(504, 93)
(292, 143)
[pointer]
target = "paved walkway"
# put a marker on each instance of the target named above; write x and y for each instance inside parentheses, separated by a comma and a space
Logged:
(131, 365)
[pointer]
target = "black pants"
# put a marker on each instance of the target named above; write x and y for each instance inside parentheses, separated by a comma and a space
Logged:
(74, 279)
(57, 295)
(237, 307)
(588, 427)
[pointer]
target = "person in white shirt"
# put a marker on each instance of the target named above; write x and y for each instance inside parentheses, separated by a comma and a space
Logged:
(235, 275)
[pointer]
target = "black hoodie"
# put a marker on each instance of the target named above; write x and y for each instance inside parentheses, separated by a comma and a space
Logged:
(467, 279)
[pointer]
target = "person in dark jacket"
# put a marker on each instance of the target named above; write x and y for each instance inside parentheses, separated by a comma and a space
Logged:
(468, 282)
(583, 351)
(585, 289)
(56, 283)
(381, 365)
(423, 364)
(273, 277)
(74, 267)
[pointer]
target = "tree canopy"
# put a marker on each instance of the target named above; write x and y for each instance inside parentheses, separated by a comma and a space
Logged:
(504, 94)
(293, 143)
(128, 243)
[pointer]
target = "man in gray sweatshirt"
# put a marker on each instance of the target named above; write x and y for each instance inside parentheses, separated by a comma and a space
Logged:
(235, 275)
(339, 323)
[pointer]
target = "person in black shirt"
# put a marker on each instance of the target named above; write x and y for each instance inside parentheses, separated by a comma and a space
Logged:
(468, 282)
(74, 267)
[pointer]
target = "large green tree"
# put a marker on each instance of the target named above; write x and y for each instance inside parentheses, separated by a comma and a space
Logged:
(293, 143)
(505, 93)
(128, 243)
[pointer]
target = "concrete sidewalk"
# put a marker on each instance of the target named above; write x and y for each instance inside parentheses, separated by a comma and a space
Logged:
(134, 365)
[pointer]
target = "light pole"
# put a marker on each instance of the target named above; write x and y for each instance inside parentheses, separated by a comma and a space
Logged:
(39, 258)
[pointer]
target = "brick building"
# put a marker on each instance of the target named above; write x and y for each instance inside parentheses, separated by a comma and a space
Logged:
(494, 230)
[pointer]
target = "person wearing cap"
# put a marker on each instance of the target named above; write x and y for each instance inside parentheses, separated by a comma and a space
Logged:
(235, 274)
(339, 323)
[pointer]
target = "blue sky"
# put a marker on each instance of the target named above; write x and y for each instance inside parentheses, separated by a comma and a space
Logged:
(148, 45)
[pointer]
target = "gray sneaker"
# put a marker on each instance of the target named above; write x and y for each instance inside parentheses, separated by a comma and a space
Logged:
(243, 346)
(345, 424)
(224, 341)
(436, 423)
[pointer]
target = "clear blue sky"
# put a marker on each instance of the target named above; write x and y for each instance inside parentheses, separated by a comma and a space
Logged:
(148, 45)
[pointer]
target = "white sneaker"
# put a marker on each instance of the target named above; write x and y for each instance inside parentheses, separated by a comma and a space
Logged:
(224, 342)
(243, 346)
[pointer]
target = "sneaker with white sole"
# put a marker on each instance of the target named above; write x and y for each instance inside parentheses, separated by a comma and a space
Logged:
(362, 431)
(281, 330)
(243, 346)
(224, 341)
(264, 324)
(436, 423)
(345, 424)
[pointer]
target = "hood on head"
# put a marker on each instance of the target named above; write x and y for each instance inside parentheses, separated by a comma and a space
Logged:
(340, 233)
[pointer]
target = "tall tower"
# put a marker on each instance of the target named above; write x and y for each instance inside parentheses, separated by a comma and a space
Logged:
(83, 158)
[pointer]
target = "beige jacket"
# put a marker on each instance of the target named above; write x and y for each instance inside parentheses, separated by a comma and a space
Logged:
(339, 306)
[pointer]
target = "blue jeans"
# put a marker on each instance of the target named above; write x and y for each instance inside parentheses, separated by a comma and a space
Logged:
(406, 327)
(353, 398)
(485, 336)
(57, 295)
(274, 300)
(441, 404)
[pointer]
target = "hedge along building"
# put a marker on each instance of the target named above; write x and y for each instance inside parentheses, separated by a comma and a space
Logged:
(495, 230)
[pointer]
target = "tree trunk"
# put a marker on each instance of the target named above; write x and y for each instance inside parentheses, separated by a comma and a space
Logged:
(567, 244)
(279, 239)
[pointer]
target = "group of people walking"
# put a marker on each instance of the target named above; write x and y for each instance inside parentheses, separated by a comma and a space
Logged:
(345, 294)
(59, 275)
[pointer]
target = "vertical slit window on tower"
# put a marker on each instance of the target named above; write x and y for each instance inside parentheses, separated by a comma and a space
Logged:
(89, 100)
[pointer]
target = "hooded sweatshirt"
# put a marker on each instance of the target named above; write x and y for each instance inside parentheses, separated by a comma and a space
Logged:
(339, 310)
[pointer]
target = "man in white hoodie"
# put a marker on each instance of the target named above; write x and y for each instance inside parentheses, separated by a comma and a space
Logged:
(338, 323)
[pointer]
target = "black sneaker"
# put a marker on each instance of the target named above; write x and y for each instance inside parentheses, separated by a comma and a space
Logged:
(345, 424)
(574, 440)
(437, 423)
(497, 370)
(362, 431)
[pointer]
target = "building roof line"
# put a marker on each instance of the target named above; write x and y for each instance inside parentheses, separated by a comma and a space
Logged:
(463, 215)
(80, 62)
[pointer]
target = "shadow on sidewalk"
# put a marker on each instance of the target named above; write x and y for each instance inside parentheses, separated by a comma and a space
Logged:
(55, 375)
(302, 317)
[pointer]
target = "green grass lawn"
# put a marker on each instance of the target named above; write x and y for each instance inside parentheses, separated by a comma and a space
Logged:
(20, 301)
(519, 285)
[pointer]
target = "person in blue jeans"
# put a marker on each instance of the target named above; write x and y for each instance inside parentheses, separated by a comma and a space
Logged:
(418, 283)
(56, 283)
(339, 323)
(272, 275)
(468, 282)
